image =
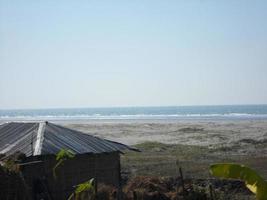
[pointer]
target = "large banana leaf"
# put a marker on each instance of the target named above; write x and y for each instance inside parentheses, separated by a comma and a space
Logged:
(253, 181)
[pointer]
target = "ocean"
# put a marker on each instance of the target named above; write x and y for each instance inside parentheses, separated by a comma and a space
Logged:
(140, 113)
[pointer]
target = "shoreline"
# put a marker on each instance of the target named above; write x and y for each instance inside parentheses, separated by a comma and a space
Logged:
(130, 120)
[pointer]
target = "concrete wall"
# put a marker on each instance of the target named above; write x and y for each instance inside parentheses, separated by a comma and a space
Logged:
(103, 167)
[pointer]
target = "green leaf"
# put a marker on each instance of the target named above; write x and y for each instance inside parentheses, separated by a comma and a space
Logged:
(86, 186)
(253, 181)
(83, 187)
(64, 154)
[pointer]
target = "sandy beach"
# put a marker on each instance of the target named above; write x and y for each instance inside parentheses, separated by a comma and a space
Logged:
(212, 134)
(238, 137)
(196, 144)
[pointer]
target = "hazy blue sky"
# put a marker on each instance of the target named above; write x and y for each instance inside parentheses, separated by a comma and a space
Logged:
(132, 53)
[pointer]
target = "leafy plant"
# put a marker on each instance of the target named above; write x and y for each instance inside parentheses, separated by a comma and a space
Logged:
(61, 157)
(64, 154)
(84, 190)
(11, 162)
(254, 182)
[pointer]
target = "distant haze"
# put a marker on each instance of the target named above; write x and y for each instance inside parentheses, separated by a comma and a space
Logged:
(132, 53)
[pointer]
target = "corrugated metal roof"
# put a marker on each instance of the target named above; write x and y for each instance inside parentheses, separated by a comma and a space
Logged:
(35, 139)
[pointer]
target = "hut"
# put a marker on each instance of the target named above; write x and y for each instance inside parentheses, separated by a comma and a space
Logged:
(40, 142)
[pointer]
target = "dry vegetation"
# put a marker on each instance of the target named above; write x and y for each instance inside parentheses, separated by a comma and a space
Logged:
(153, 173)
(158, 159)
(163, 160)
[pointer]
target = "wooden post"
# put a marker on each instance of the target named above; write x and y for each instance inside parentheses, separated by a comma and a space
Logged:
(134, 195)
(182, 179)
(211, 192)
(176, 169)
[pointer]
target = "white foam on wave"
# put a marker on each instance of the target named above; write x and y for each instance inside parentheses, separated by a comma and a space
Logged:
(135, 116)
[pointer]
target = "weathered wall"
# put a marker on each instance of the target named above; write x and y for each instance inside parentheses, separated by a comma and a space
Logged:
(11, 185)
(103, 167)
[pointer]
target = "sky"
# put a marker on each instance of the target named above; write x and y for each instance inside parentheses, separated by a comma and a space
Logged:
(64, 54)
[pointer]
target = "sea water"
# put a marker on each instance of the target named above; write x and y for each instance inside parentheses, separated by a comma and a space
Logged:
(140, 113)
